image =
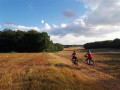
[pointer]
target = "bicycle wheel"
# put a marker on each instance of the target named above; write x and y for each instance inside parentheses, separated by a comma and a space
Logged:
(76, 62)
(92, 62)
(72, 61)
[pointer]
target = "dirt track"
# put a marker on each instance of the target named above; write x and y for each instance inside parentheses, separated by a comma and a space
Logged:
(91, 74)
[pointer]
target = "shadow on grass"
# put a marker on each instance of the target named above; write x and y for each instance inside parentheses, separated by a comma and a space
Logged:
(61, 65)
(109, 84)
(48, 64)
(113, 67)
(110, 54)
(110, 62)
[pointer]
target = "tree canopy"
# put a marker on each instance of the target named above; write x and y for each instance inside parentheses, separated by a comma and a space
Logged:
(103, 44)
(30, 41)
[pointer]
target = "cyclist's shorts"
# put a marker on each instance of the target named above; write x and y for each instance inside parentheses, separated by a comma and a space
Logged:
(74, 58)
(89, 58)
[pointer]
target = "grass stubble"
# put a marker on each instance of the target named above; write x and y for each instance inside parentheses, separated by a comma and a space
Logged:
(41, 71)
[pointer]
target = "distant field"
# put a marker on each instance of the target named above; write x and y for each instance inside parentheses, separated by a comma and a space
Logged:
(54, 71)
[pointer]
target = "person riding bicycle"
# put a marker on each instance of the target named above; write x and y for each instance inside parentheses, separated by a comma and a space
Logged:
(89, 56)
(74, 57)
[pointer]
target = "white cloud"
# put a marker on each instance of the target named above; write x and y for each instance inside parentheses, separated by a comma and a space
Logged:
(0, 26)
(71, 39)
(20, 27)
(63, 25)
(42, 21)
(106, 12)
(101, 22)
(97, 24)
(118, 3)
(88, 31)
(46, 27)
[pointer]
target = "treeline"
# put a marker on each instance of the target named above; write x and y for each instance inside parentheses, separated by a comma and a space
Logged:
(67, 46)
(30, 41)
(103, 44)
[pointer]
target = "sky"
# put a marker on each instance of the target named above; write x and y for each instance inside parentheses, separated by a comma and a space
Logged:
(66, 21)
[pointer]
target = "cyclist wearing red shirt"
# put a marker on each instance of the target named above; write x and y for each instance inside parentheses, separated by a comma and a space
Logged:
(89, 55)
(74, 55)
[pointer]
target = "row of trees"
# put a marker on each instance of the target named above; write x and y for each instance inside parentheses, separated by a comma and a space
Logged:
(67, 46)
(31, 41)
(103, 44)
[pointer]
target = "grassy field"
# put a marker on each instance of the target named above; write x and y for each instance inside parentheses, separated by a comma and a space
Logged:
(106, 60)
(54, 71)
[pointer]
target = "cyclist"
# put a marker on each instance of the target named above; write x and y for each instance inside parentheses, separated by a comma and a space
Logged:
(74, 57)
(89, 55)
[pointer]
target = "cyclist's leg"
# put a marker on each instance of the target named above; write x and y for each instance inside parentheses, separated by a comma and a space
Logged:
(92, 61)
(74, 60)
(87, 60)
(77, 61)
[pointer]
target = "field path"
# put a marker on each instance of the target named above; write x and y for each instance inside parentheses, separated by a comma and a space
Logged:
(91, 74)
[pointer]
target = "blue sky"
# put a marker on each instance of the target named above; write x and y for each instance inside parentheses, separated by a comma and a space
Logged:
(31, 12)
(66, 21)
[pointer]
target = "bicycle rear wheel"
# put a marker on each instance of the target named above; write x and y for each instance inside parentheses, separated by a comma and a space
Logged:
(91, 62)
(75, 62)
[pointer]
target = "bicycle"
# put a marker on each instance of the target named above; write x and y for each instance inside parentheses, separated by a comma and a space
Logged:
(90, 62)
(75, 61)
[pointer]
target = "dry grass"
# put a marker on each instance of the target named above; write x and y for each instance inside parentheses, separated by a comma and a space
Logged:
(53, 71)
(39, 71)
(107, 62)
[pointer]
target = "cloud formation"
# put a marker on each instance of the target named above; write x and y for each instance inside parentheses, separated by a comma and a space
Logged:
(24, 28)
(102, 22)
(102, 19)
(20, 27)
(103, 12)
(46, 27)
(69, 13)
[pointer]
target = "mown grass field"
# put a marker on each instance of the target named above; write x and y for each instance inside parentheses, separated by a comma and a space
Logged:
(106, 60)
(54, 71)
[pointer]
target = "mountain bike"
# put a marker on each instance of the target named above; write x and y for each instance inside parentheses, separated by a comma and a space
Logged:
(90, 62)
(75, 61)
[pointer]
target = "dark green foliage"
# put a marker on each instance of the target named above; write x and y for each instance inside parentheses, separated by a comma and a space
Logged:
(67, 46)
(31, 41)
(103, 44)
(116, 43)
(58, 47)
